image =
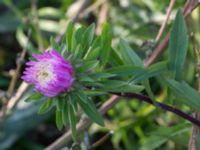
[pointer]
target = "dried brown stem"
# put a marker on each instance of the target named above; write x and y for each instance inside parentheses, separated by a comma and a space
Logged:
(13, 101)
(169, 10)
(102, 17)
(92, 8)
(158, 51)
(18, 68)
(193, 142)
(101, 140)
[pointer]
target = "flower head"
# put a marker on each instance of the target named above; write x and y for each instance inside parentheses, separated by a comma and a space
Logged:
(50, 73)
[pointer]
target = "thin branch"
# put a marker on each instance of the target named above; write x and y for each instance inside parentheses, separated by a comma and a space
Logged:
(92, 8)
(103, 14)
(193, 142)
(162, 106)
(169, 10)
(101, 140)
(15, 99)
(18, 68)
(189, 6)
(157, 52)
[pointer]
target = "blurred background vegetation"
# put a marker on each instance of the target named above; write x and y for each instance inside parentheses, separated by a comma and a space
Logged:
(29, 24)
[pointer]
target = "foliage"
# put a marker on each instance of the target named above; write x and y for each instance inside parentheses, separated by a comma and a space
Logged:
(111, 62)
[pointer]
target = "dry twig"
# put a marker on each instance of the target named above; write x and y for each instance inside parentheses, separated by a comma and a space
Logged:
(169, 10)
(14, 99)
(103, 14)
(18, 68)
(101, 140)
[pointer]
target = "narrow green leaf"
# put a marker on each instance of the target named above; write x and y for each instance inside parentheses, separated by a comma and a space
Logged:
(88, 36)
(94, 93)
(72, 120)
(186, 94)
(79, 34)
(81, 95)
(92, 84)
(128, 55)
(85, 78)
(69, 35)
(91, 111)
(106, 39)
(178, 44)
(152, 71)
(115, 58)
(77, 37)
(88, 65)
(34, 97)
(125, 70)
(73, 102)
(92, 54)
(77, 52)
(149, 91)
(94, 50)
(120, 86)
(59, 103)
(101, 75)
(65, 118)
(59, 122)
(45, 107)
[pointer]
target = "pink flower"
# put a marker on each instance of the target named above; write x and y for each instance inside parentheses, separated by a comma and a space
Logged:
(50, 73)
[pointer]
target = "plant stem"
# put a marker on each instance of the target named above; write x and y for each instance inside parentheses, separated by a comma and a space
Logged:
(169, 10)
(162, 106)
(101, 140)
